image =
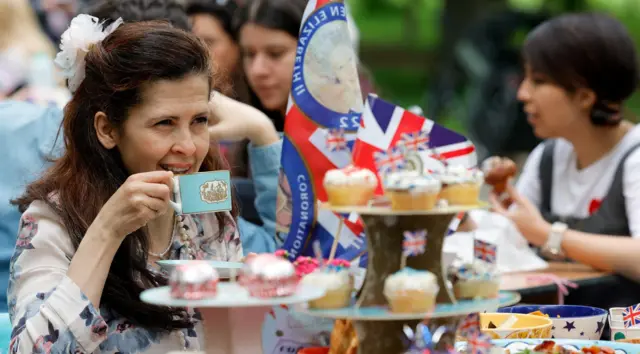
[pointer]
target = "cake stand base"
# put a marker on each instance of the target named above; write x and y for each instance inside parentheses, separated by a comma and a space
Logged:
(374, 336)
(233, 330)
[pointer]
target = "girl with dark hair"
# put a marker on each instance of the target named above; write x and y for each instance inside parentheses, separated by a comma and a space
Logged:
(267, 31)
(98, 219)
(578, 196)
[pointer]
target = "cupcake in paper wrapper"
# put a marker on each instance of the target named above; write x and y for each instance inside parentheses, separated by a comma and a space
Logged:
(460, 186)
(337, 281)
(475, 280)
(411, 291)
(194, 281)
(268, 276)
(411, 190)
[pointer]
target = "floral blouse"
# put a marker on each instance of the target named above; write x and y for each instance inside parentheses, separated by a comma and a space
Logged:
(49, 312)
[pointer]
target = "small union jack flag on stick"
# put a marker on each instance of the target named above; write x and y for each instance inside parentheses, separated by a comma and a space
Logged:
(417, 141)
(471, 324)
(391, 161)
(336, 140)
(414, 243)
(631, 316)
(478, 343)
(484, 251)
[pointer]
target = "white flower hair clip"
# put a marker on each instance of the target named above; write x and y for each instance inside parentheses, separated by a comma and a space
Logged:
(84, 32)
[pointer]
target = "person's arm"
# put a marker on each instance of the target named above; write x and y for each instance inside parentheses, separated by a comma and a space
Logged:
(609, 253)
(604, 252)
(49, 291)
(233, 121)
(56, 289)
(265, 167)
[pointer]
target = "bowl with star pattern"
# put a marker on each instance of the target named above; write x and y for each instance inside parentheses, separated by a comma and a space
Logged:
(569, 321)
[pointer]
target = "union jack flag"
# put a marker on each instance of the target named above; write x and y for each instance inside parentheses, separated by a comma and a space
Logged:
(417, 141)
(631, 316)
(414, 243)
(383, 125)
(484, 251)
(478, 343)
(391, 161)
(336, 140)
(470, 324)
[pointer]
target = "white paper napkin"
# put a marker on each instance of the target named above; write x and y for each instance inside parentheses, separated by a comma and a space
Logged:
(513, 252)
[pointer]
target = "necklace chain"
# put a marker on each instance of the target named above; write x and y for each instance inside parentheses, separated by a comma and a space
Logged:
(160, 255)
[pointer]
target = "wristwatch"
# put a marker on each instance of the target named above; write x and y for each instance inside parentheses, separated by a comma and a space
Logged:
(553, 247)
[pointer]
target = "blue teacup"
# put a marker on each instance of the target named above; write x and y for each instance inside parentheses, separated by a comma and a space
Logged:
(202, 192)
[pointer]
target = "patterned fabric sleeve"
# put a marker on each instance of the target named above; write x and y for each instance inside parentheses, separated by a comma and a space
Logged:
(212, 243)
(49, 312)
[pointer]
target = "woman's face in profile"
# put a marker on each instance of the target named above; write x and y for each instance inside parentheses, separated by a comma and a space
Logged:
(268, 56)
(168, 129)
(550, 109)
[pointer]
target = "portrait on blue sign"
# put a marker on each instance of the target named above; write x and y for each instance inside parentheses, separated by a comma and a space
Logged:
(331, 79)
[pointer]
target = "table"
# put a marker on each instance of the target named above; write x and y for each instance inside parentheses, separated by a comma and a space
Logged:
(545, 292)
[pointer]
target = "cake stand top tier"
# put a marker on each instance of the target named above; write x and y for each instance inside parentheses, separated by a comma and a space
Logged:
(386, 210)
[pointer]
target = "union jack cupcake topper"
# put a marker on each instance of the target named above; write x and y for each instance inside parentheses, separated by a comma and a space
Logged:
(470, 324)
(484, 251)
(478, 343)
(390, 161)
(415, 243)
(416, 141)
(336, 141)
(631, 316)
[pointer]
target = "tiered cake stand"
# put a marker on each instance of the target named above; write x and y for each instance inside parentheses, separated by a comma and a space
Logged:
(379, 330)
(232, 320)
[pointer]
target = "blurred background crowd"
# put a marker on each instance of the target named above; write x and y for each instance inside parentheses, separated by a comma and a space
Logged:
(457, 61)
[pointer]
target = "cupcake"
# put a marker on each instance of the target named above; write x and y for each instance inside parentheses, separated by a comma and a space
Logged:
(350, 186)
(267, 275)
(497, 172)
(337, 282)
(475, 281)
(194, 281)
(411, 291)
(460, 186)
(410, 190)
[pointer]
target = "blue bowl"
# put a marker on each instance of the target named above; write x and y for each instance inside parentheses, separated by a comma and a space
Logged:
(569, 321)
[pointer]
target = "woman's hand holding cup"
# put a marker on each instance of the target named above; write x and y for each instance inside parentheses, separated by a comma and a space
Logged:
(142, 198)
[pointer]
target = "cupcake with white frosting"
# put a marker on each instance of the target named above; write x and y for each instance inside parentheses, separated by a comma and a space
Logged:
(350, 186)
(460, 186)
(411, 190)
(194, 281)
(338, 284)
(411, 291)
(267, 275)
(475, 281)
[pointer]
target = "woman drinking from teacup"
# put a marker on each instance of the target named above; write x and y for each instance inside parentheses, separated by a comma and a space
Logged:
(100, 216)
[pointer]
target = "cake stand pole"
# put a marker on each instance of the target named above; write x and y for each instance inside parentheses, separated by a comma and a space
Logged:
(384, 246)
(233, 330)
